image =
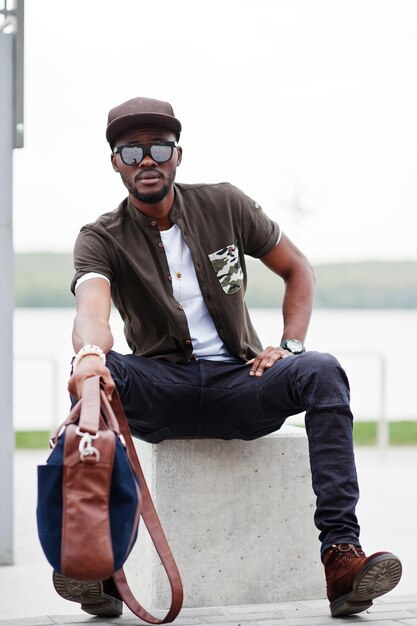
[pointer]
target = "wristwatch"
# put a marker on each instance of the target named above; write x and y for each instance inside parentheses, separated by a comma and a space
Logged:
(293, 345)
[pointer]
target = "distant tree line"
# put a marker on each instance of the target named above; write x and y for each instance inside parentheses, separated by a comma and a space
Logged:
(365, 284)
(43, 279)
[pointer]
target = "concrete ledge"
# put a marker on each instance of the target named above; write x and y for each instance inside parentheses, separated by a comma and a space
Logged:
(239, 519)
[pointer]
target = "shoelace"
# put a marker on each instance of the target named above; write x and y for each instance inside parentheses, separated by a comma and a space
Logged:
(349, 551)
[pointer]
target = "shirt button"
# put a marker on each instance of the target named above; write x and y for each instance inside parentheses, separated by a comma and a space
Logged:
(153, 223)
(188, 342)
(170, 278)
(160, 244)
(181, 308)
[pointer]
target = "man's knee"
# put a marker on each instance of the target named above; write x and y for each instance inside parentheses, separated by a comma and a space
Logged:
(322, 362)
(324, 380)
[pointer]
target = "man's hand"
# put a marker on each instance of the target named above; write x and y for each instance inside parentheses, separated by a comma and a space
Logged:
(266, 359)
(90, 365)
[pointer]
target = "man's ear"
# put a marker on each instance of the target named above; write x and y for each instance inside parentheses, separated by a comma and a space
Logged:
(179, 155)
(113, 162)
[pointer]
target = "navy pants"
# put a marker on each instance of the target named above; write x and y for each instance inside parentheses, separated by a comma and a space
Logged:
(220, 400)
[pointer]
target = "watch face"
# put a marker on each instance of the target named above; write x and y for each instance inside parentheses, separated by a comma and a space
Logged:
(294, 346)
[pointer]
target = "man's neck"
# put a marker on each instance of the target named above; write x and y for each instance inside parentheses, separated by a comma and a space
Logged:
(159, 211)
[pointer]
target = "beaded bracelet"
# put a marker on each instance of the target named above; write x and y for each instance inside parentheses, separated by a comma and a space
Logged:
(86, 350)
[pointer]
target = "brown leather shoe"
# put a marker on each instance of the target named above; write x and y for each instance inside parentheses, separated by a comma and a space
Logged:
(354, 580)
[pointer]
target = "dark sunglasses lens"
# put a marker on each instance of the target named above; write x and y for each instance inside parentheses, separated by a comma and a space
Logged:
(161, 153)
(131, 155)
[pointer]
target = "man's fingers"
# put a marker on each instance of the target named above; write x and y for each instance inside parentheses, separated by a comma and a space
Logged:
(72, 389)
(108, 385)
(75, 383)
(266, 359)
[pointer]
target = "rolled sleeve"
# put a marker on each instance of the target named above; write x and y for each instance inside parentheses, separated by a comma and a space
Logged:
(91, 255)
(260, 233)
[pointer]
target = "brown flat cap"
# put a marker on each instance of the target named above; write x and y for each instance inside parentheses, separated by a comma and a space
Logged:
(139, 112)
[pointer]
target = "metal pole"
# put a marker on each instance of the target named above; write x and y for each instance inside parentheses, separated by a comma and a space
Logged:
(11, 136)
(383, 425)
(6, 299)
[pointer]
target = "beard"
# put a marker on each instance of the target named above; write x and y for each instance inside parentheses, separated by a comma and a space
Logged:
(152, 197)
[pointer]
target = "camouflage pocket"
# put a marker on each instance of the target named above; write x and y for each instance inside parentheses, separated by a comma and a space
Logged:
(226, 264)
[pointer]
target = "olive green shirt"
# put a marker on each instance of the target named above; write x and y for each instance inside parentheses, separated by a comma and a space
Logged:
(220, 224)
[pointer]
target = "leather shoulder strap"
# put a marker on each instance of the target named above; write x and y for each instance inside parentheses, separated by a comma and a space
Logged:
(108, 412)
(151, 520)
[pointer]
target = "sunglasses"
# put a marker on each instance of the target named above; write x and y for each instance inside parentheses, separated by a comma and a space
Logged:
(133, 154)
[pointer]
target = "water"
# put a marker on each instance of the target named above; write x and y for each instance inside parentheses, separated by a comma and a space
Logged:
(376, 347)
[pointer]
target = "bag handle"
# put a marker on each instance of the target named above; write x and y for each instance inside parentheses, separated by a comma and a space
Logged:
(90, 406)
(87, 411)
(93, 402)
(151, 520)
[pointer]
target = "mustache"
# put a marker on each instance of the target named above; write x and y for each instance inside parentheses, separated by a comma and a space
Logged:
(145, 171)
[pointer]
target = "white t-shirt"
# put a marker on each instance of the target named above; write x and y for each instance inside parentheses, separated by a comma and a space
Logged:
(203, 334)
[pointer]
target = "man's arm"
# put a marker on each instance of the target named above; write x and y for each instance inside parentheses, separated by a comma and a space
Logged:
(289, 262)
(91, 327)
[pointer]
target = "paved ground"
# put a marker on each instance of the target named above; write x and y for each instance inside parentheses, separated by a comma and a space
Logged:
(387, 513)
(398, 610)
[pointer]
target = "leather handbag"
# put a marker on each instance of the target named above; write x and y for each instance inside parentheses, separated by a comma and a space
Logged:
(91, 495)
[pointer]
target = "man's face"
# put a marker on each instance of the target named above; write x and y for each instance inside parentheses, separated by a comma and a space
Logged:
(148, 181)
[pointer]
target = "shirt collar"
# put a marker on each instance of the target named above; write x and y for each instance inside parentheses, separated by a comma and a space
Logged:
(146, 220)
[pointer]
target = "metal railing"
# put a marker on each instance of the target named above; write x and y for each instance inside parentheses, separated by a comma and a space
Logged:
(382, 433)
(53, 388)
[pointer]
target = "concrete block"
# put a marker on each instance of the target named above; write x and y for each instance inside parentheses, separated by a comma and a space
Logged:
(239, 519)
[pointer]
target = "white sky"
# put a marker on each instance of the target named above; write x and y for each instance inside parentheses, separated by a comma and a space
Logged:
(308, 105)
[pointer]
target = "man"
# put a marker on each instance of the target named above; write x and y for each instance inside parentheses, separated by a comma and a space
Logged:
(171, 258)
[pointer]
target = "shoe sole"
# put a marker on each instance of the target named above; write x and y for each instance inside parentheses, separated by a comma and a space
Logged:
(380, 576)
(90, 595)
